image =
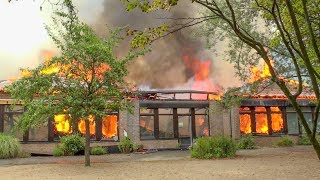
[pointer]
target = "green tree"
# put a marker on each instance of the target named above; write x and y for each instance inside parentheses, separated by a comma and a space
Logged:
(284, 34)
(85, 80)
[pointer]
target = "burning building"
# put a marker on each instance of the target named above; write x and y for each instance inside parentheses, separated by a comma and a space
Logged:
(167, 118)
(164, 119)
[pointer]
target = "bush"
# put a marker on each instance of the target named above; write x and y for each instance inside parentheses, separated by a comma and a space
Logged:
(9, 147)
(304, 140)
(70, 145)
(58, 151)
(246, 142)
(125, 145)
(284, 141)
(213, 147)
(98, 150)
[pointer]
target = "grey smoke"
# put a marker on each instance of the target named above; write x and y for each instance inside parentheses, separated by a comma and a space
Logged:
(163, 67)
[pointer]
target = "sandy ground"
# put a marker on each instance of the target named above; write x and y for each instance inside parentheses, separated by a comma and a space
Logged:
(297, 162)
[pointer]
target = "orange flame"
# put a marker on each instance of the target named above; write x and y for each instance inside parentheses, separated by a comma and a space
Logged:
(201, 71)
(62, 124)
(109, 126)
(245, 123)
(92, 125)
(262, 121)
(277, 120)
(258, 74)
(205, 130)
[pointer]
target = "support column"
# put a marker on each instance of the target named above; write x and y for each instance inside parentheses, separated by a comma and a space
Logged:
(253, 120)
(98, 128)
(193, 123)
(216, 119)
(235, 122)
(50, 129)
(130, 122)
(175, 123)
(2, 118)
(284, 117)
(156, 123)
(269, 119)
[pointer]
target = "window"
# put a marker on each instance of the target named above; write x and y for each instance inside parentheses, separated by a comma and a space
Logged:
(201, 122)
(146, 123)
(169, 123)
(110, 127)
(147, 127)
(261, 120)
(166, 123)
(292, 121)
(11, 115)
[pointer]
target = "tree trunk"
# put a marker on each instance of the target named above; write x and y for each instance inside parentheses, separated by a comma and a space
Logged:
(87, 144)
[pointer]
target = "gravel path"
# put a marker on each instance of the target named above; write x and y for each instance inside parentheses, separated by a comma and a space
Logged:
(297, 162)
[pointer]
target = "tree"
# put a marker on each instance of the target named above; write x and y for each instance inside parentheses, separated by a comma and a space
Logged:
(85, 80)
(285, 34)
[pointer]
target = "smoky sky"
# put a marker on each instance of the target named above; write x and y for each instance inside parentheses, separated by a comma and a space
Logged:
(163, 67)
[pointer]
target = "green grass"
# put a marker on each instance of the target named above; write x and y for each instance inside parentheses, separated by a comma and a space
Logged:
(246, 142)
(284, 141)
(98, 150)
(9, 147)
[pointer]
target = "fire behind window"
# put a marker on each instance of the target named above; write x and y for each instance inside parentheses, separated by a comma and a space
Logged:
(109, 126)
(264, 123)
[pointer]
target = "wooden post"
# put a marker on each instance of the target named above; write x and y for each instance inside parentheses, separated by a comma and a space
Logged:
(25, 137)
(156, 123)
(284, 117)
(98, 128)
(269, 121)
(175, 123)
(50, 129)
(253, 120)
(2, 118)
(193, 123)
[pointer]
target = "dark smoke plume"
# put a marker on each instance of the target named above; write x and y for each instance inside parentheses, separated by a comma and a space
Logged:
(163, 67)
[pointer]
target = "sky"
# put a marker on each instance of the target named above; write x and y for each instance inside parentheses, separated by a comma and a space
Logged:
(23, 35)
(23, 38)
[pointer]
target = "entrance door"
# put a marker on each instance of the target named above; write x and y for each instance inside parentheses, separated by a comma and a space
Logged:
(184, 129)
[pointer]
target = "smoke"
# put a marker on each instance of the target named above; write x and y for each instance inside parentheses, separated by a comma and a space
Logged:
(22, 45)
(163, 67)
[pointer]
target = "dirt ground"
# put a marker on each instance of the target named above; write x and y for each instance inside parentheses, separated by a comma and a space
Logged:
(299, 162)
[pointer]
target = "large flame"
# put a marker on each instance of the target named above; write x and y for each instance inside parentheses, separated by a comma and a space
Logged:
(109, 126)
(201, 71)
(92, 125)
(277, 120)
(262, 121)
(62, 124)
(205, 129)
(258, 73)
(245, 123)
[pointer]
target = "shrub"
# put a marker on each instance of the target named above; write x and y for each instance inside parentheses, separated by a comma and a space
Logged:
(304, 140)
(125, 145)
(98, 150)
(9, 147)
(246, 142)
(70, 145)
(284, 141)
(213, 147)
(58, 151)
